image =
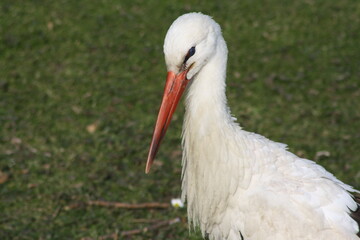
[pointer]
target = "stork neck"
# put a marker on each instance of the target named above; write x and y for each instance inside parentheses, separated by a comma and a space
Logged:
(207, 131)
(206, 96)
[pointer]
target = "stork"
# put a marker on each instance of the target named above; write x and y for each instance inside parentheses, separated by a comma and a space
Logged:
(238, 184)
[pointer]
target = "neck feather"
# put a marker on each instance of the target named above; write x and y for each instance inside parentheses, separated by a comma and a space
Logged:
(208, 126)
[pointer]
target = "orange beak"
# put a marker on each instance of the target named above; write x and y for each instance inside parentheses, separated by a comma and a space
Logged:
(174, 88)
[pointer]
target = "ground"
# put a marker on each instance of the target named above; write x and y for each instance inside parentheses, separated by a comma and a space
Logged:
(80, 86)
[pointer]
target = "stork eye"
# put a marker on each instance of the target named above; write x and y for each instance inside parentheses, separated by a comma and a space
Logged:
(190, 53)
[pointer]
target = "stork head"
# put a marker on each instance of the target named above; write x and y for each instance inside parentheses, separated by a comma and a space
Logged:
(189, 44)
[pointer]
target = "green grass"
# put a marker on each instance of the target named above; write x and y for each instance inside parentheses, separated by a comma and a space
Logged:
(293, 76)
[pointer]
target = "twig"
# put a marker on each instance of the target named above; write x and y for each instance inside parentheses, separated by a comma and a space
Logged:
(118, 205)
(128, 205)
(145, 220)
(155, 226)
(151, 227)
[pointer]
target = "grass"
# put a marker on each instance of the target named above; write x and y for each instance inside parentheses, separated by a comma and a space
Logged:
(81, 81)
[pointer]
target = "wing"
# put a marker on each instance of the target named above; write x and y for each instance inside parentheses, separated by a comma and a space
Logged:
(300, 187)
(356, 213)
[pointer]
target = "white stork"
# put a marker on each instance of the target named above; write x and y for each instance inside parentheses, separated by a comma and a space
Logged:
(237, 184)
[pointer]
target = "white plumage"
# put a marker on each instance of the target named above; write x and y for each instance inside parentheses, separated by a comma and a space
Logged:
(237, 184)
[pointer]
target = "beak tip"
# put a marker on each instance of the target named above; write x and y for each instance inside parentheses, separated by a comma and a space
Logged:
(147, 168)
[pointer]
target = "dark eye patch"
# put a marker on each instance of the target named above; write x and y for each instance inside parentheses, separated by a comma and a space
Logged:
(190, 53)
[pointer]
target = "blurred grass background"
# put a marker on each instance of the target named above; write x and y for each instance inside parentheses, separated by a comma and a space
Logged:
(81, 83)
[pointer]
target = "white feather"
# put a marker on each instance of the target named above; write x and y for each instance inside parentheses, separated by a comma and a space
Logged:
(235, 181)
